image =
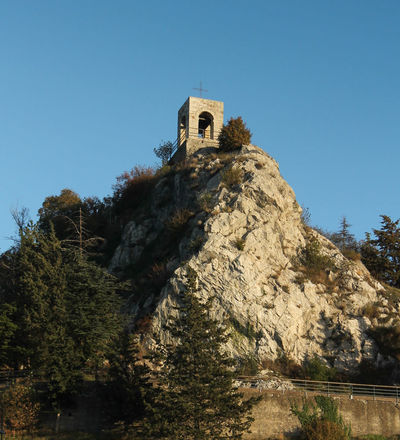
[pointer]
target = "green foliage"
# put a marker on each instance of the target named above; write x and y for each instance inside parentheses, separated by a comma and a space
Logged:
(343, 239)
(246, 330)
(381, 255)
(65, 311)
(205, 201)
(313, 263)
(7, 330)
(316, 370)
(321, 420)
(234, 135)
(164, 152)
(128, 387)
(89, 224)
(248, 366)
(388, 339)
(239, 243)
(195, 398)
(232, 176)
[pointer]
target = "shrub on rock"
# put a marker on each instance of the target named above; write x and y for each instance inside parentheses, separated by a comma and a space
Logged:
(234, 135)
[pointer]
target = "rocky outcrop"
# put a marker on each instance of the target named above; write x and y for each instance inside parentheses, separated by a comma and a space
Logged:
(243, 237)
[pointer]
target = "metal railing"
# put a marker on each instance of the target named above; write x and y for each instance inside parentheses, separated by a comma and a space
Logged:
(351, 390)
(304, 386)
(193, 133)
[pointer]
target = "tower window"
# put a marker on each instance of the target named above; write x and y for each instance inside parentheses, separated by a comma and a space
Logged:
(206, 126)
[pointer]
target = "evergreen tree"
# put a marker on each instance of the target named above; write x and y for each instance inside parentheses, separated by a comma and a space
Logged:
(195, 398)
(65, 310)
(382, 254)
(128, 386)
(346, 240)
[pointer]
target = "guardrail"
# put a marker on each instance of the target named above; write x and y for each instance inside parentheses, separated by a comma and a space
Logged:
(194, 133)
(352, 390)
(304, 386)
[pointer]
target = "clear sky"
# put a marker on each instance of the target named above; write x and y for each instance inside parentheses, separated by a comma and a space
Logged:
(89, 87)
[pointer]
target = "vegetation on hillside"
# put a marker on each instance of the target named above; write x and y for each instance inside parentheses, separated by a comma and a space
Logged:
(320, 420)
(234, 135)
(61, 311)
(195, 380)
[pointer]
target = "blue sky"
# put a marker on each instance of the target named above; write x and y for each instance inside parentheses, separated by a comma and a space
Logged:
(89, 87)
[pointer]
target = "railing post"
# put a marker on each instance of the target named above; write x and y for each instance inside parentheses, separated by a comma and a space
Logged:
(374, 392)
(328, 390)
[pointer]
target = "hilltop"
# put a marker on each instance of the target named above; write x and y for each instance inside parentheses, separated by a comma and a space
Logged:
(285, 290)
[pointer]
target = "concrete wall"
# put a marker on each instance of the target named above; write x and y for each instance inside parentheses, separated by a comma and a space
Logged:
(274, 420)
(272, 415)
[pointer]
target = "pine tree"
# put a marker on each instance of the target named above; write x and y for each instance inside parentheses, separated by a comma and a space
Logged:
(195, 398)
(128, 386)
(345, 238)
(382, 254)
(66, 312)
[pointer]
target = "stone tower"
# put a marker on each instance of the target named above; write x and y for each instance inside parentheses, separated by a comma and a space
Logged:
(199, 124)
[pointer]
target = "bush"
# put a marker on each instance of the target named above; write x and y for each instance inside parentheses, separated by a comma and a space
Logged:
(239, 243)
(164, 152)
(321, 420)
(388, 339)
(179, 220)
(317, 370)
(248, 366)
(314, 264)
(132, 188)
(232, 176)
(325, 429)
(283, 365)
(205, 201)
(234, 135)
(19, 409)
(371, 310)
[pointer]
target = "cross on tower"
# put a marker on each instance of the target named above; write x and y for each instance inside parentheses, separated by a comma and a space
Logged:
(200, 89)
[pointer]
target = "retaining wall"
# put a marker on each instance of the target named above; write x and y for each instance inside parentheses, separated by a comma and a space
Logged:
(366, 416)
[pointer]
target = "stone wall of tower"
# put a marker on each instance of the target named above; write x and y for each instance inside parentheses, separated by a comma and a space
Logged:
(189, 136)
(200, 105)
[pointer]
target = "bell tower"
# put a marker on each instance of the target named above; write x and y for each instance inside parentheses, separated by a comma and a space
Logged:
(199, 124)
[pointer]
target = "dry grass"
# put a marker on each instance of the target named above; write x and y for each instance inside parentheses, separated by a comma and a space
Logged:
(179, 219)
(232, 176)
(371, 310)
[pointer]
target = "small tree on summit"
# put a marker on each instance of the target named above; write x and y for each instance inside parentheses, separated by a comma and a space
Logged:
(164, 152)
(234, 135)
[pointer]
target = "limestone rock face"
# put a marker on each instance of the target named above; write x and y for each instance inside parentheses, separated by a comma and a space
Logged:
(244, 240)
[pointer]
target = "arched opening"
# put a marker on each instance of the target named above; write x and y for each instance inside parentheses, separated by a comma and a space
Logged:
(182, 128)
(206, 126)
